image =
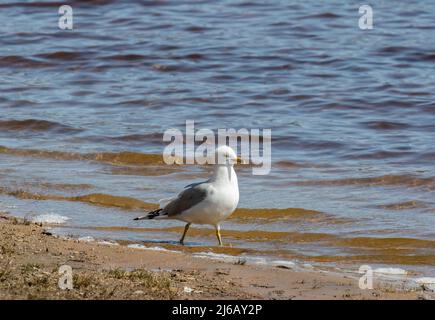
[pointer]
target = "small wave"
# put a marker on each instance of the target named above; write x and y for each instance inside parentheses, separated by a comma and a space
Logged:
(113, 201)
(108, 243)
(126, 57)
(295, 142)
(124, 158)
(142, 247)
(136, 102)
(138, 139)
(148, 171)
(302, 97)
(428, 57)
(325, 15)
(368, 250)
(168, 47)
(376, 257)
(120, 158)
(426, 280)
(288, 164)
(380, 155)
(132, 158)
(192, 56)
(404, 205)
(94, 198)
(21, 62)
(64, 55)
(252, 236)
(427, 283)
(287, 66)
(136, 246)
(394, 49)
(391, 271)
(265, 215)
(35, 125)
(430, 156)
(386, 180)
(50, 219)
(86, 239)
(196, 29)
(420, 56)
(237, 259)
(385, 243)
(174, 246)
(63, 186)
(22, 194)
(272, 214)
(156, 138)
(54, 4)
(170, 68)
(385, 125)
(244, 259)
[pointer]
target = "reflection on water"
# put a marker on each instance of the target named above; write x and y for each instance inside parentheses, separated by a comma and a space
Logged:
(352, 116)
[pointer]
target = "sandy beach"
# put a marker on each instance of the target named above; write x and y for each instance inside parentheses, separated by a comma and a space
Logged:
(117, 110)
(30, 257)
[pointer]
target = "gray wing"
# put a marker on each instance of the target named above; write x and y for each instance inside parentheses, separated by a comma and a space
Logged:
(195, 184)
(189, 197)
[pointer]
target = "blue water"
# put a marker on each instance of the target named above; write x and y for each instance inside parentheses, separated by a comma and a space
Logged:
(352, 111)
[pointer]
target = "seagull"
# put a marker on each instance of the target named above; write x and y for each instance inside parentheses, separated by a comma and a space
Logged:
(209, 202)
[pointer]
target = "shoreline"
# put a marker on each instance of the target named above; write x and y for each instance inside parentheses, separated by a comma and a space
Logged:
(30, 257)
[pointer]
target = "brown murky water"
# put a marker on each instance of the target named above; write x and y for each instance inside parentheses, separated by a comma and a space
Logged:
(82, 115)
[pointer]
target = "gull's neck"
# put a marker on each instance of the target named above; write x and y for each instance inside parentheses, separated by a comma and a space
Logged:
(224, 174)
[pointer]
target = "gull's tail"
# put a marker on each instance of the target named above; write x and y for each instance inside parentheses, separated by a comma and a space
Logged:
(159, 213)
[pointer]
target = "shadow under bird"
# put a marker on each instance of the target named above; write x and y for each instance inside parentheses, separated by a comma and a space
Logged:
(209, 202)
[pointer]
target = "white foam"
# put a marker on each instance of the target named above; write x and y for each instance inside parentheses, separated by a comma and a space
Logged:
(136, 246)
(142, 247)
(162, 249)
(108, 243)
(86, 239)
(218, 256)
(245, 259)
(425, 280)
(50, 219)
(391, 271)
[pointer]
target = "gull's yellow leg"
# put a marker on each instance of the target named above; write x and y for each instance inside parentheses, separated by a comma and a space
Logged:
(184, 233)
(218, 234)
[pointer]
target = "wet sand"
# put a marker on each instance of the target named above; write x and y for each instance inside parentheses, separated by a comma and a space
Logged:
(30, 258)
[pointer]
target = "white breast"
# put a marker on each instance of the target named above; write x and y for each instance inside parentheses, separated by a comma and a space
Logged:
(221, 201)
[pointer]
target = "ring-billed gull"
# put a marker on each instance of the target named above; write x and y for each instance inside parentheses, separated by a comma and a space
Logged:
(209, 202)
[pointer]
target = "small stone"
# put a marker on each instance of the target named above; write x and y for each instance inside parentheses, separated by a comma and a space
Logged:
(187, 290)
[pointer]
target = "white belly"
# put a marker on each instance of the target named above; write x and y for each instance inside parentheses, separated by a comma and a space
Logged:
(218, 206)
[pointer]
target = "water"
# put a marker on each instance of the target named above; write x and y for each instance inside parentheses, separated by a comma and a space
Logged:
(352, 115)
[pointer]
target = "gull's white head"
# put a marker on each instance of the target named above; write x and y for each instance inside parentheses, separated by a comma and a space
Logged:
(226, 155)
